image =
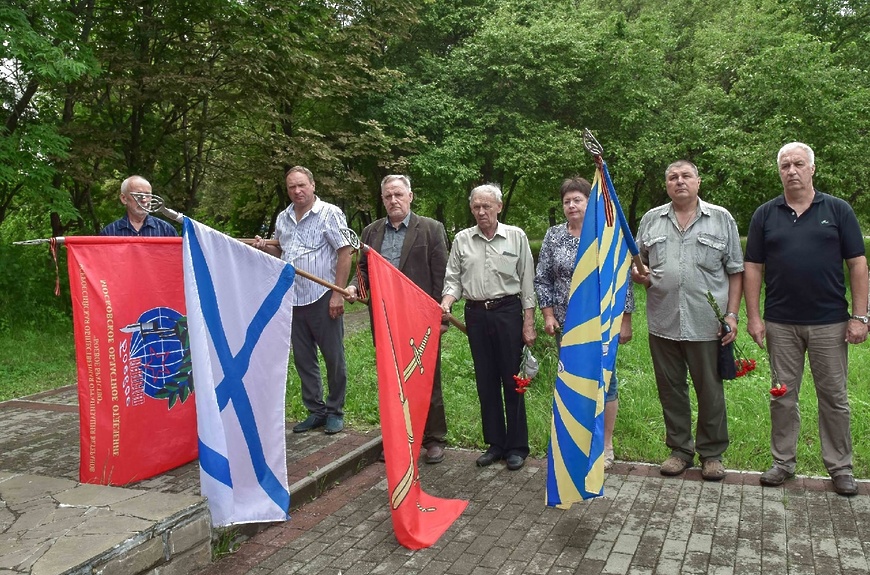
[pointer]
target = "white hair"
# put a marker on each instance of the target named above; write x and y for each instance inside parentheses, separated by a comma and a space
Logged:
(799, 145)
(125, 185)
(489, 189)
(406, 181)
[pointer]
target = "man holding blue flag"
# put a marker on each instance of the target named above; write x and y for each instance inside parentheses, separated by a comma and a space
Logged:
(689, 248)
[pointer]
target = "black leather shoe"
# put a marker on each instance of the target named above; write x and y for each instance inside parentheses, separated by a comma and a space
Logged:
(845, 484)
(488, 458)
(515, 462)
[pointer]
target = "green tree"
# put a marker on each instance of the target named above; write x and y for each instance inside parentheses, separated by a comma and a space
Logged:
(40, 55)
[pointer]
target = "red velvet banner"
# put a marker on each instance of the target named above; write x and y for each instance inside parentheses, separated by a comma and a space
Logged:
(407, 324)
(135, 388)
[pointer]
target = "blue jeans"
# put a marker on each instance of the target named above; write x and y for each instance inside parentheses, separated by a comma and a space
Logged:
(612, 392)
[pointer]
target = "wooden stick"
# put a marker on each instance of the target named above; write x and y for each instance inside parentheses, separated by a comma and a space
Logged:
(321, 281)
(250, 241)
(458, 324)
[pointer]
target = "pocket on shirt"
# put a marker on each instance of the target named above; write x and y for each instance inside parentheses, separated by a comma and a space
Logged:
(506, 264)
(710, 252)
(658, 253)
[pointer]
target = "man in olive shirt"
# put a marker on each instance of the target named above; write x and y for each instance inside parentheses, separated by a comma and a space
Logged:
(491, 267)
(691, 248)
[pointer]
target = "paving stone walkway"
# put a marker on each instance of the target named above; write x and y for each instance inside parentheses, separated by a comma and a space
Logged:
(645, 524)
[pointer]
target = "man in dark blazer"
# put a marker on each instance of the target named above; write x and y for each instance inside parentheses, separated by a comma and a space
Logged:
(417, 246)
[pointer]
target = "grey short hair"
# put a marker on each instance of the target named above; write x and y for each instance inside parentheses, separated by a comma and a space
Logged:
(125, 185)
(791, 146)
(489, 189)
(406, 181)
(301, 170)
(679, 163)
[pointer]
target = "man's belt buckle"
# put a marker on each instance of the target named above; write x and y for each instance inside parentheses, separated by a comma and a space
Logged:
(490, 303)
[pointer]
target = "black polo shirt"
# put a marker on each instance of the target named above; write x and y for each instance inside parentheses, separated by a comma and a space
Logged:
(804, 281)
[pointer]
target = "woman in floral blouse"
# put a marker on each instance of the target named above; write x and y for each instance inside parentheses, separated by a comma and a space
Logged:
(553, 284)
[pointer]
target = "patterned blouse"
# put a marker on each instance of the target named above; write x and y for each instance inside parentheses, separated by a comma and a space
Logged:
(555, 268)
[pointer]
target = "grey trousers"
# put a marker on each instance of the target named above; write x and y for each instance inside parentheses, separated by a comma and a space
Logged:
(313, 329)
(672, 360)
(828, 354)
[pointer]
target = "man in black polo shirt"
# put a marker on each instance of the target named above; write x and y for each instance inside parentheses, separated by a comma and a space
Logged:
(797, 243)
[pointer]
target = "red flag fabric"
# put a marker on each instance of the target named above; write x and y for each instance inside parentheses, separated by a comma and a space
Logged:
(407, 323)
(137, 413)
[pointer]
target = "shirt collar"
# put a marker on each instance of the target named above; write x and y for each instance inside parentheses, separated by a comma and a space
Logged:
(315, 209)
(703, 208)
(404, 222)
(147, 222)
(499, 231)
(780, 199)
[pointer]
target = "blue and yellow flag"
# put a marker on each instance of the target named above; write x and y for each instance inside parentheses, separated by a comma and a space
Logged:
(589, 343)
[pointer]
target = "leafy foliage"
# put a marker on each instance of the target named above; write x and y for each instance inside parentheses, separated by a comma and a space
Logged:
(213, 101)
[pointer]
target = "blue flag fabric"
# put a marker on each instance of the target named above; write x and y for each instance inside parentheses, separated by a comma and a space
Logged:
(590, 340)
(239, 307)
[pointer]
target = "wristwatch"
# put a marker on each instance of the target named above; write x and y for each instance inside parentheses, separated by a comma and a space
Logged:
(735, 316)
(862, 318)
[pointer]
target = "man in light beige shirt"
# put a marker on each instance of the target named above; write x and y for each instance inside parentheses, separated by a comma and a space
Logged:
(491, 267)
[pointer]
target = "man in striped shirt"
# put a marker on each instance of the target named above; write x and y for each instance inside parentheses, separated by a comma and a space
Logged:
(309, 234)
(137, 222)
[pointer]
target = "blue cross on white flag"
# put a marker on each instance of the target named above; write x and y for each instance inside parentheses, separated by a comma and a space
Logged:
(239, 308)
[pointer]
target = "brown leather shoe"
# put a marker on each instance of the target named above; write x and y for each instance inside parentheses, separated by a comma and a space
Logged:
(673, 465)
(434, 454)
(774, 476)
(713, 470)
(845, 484)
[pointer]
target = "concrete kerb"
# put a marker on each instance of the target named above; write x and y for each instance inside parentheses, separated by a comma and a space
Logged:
(320, 480)
(314, 485)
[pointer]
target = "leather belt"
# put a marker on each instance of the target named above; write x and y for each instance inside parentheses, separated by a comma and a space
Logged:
(490, 304)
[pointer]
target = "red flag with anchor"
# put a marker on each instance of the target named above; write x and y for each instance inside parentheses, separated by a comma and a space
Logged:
(407, 323)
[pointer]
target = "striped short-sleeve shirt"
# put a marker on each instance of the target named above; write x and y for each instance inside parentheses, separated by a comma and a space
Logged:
(311, 245)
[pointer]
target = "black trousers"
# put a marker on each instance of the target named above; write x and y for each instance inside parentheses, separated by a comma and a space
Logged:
(435, 432)
(496, 340)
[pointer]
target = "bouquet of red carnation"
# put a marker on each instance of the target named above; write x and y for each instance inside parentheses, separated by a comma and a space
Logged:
(528, 370)
(778, 389)
(730, 367)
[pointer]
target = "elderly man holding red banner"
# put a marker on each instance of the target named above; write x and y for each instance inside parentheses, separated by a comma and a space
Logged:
(137, 221)
(417, 247)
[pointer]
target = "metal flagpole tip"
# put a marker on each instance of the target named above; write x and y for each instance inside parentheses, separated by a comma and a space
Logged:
(152, 203)
(351, 237)
(149, 202)
(591, 144)
(32, 242)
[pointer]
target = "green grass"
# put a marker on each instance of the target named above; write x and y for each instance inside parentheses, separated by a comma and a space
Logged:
(640, 433)
(36, 359)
